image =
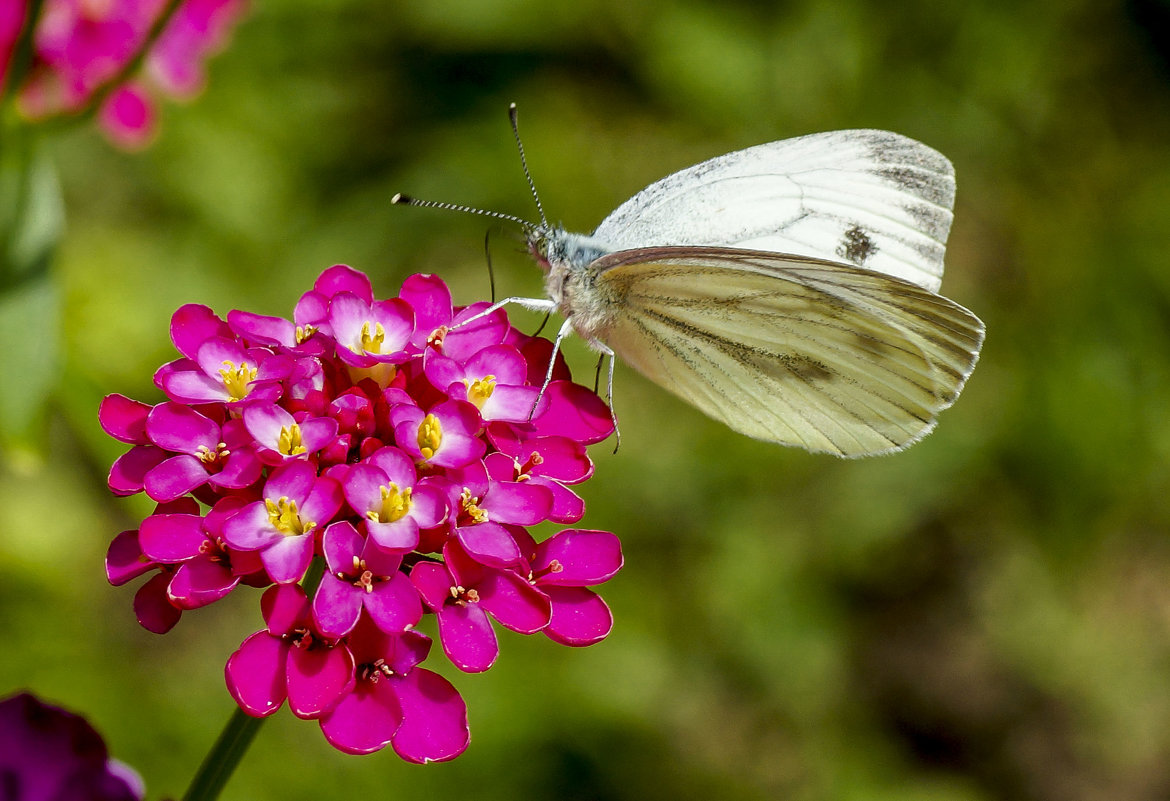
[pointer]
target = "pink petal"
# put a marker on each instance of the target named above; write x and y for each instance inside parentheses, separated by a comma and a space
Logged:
(467, 637)
(261, 329)
(174, 478)
(181, 429)
(434, 725)
(255, 674)
(464, 341)
(129, 470)
(428, 504)
(172, 537)
(365, 720)
(241, 469)
(343, 278)
(574, 412)
(264, 422)
(519, 503)
(514, 602)
(250, 529)
(125, 560)
(430, 299)
(287, 558)
(340, 543)
(401, 536)
(124, 418)
(586, 557)
(285, 608)
(192, 325)
(579, 616)
(567, 506)
(128, 118)
(200, 582)
(489, 544)
(337, 605)
(433, 583)
(154, 612)
(190, 386)
(317, 678)
(394, 605)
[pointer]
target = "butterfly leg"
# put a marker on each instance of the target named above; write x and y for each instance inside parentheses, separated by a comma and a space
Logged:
(566, 327)
(532, 304)
(617, 432)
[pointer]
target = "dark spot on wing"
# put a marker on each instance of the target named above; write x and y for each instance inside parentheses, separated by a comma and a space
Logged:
(856, 246)
(806, 369)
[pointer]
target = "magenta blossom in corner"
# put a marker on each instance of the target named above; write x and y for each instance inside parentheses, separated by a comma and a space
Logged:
(392, 448)
(48, 754)
(81, 48)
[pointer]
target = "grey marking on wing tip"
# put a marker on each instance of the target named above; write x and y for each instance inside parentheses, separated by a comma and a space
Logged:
(856, 246)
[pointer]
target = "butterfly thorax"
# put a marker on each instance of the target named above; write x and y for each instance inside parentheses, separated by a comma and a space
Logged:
(566, 258)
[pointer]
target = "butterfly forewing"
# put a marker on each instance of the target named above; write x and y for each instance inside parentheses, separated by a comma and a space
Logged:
(870, 198)
(802, 352)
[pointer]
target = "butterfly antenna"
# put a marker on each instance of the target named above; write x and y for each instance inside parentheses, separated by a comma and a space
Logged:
(406, 200)
(524, 165)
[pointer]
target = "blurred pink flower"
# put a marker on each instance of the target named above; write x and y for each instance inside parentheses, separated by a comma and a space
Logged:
(79, 46)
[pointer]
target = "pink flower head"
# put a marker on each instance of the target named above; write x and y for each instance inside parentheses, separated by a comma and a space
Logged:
(393, 444)
(289, 659)
(296, 505)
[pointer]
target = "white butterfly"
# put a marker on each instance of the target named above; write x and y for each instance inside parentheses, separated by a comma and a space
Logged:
(788, 290)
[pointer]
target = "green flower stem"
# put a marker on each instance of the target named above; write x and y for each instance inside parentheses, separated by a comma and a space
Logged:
(224, 756)
(221, 761)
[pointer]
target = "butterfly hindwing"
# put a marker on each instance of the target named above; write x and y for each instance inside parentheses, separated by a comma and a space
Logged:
(803, 352)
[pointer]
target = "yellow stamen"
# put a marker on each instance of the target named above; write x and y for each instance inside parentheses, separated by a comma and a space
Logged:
(372, 339)
(289, 442)
(283, 515)
(236, 378)
(468, 503)
(430, 436)
(480, 390)
(395, 505)
(303, 332)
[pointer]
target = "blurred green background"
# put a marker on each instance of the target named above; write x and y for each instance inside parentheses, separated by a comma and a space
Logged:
(985, 616)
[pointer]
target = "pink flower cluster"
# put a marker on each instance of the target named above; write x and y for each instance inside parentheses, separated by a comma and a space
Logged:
(80, 45)
(405, 444)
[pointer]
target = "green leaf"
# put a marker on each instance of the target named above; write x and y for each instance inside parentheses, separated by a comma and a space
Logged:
(31, 222)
